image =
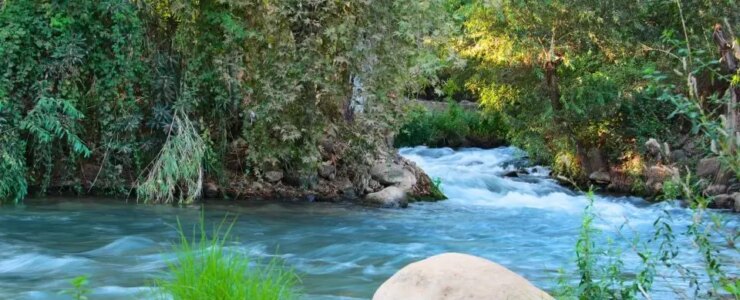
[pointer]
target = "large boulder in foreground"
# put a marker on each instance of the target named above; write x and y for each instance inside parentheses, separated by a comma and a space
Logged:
(453, 276)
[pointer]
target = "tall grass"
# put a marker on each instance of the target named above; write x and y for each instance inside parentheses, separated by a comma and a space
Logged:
(206, 269)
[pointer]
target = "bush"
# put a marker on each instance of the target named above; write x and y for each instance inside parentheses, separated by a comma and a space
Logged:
(453, 127)
(206, 269)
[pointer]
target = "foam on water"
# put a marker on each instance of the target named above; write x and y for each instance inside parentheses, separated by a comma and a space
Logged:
(39, 263)
(123, 246)
(481, 184)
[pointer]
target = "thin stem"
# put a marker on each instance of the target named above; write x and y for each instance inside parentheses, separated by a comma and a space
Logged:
(685, 31)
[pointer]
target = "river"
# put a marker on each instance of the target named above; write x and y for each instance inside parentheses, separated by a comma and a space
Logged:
(529, 224)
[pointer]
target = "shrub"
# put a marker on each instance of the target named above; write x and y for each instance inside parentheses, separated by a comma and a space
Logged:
(453, 127)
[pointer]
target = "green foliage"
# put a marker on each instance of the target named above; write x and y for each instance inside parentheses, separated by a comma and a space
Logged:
(276, 75)
(13, 183)
(206, 269)
(437, 182)
(177, 173)
(61, 61)
(596, 95)
(435, 191)
(711, 233)
(708, 117)
(51, 119)
(455, 126)
(79, 289)
(601, 268)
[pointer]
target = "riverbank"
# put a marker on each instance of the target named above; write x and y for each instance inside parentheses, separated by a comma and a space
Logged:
(370, 187)
(388, 180)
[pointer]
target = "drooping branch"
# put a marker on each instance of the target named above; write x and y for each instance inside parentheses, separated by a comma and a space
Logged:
(176, 175)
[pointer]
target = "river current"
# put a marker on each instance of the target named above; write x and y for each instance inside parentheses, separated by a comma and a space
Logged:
(529, 224)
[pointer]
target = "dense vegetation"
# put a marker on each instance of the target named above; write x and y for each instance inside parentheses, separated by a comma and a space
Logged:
(106, 95)
(584, 86)
(454, 126)
(578, 80)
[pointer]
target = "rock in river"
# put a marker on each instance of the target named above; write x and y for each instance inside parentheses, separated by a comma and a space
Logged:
(725, 201)
(455, 276)
(408, 181)
(715, 189)
(211, 190)
(600, 177)
(389, 197)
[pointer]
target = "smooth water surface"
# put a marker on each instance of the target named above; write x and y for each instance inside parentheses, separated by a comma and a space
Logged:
(342, 251)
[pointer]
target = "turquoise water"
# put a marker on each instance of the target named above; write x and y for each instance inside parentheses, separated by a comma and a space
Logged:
(342, 251)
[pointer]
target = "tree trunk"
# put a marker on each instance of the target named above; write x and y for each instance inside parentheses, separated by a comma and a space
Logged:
(551, 82)
(730, 66)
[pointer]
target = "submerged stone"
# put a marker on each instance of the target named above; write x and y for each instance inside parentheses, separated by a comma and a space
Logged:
(390, 197)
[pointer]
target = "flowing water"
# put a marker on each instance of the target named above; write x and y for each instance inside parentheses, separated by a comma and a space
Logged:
(529, 224)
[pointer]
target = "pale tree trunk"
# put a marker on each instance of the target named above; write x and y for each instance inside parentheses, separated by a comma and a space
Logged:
(553, 60)
(358, 100)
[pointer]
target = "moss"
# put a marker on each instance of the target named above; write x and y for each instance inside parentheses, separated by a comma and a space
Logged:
(435, 194)
(431, 193)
